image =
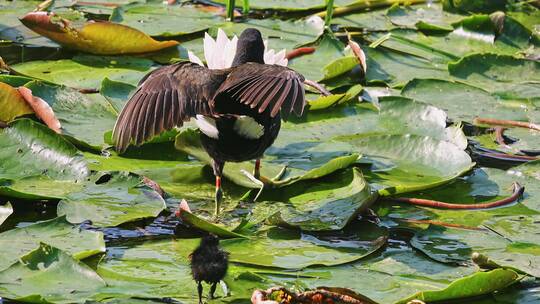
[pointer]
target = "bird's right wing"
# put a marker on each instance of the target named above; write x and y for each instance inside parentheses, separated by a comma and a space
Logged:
(166, 98)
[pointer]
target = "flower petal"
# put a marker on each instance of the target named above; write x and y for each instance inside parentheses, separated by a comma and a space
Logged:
(193, 58)
(230, 51)
(209, 45)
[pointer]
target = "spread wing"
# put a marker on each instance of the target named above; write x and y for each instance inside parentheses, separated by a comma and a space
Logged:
(265, 87)
(166, 98)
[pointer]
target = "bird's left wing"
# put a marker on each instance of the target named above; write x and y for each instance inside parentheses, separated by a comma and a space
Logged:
(166, 98)
(266, 87)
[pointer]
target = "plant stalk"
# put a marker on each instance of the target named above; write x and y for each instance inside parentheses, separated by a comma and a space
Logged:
(245, 7)
(329, 12)
(367, 4)
(230, 10)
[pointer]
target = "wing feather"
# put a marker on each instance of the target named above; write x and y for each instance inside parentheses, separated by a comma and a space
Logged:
(271, 88)
(165, 98)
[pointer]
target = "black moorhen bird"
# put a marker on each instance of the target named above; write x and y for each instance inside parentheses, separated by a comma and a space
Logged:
(238, 110)
(209, 263)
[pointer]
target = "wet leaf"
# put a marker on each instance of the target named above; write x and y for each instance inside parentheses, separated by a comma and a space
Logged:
(28, 148)
(110, 199)
(477, 284)
(101, 38)
(85, 117)
(57, 232)
(289, 249)
(85, 71)
(156, 19)
(325, 206)
(49, 275)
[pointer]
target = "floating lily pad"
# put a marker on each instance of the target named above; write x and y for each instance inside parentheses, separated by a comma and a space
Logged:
(49, 275)
(84, 117)
(57, 232)
(395, 68)
(451, 245)
(85, 71)
(156, 19)
(453, 96)
(28, 148)
(289, 249)
(110, 199)
(505, 76)
(423, 17)
(329, 205)
(480, 283)
(404, 163)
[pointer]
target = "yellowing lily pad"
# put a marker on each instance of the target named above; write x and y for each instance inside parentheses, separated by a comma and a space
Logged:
(102, 38)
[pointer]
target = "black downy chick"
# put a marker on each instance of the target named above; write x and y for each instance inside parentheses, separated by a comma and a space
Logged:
(209, 263)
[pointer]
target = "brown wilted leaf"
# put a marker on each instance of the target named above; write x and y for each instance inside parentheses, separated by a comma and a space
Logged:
(42, 109)
(359, 53)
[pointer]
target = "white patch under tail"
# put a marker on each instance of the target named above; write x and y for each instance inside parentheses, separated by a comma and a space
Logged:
(247, 127)
(207, 125)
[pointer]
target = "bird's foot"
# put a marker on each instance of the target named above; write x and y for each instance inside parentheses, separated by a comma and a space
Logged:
(218, 200)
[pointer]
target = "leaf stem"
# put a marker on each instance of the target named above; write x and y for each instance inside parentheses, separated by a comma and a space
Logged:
(230, 10)
(245, 7)
(517, 189)
(329, 12)
(365, 5)
(299, 52)
(506, 123)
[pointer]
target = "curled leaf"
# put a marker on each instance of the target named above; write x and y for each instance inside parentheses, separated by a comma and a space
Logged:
(42, 109)
(12, 103)
(360, 55)
(103, 38)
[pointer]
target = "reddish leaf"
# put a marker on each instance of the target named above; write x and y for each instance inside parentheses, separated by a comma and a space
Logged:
(42, 109)
(102, 38)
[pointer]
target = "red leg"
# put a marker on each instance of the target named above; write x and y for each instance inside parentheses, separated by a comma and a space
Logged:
(257, 173)
(219, 195)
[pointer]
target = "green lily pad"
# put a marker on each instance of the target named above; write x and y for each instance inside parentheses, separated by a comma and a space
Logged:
(505, 76)
(289, 249)
(28, 148)
(57, 232)
(85, 71)
(39, 188)
(322, 63)
(49, 275)
(480, 283)
(5, 211)
(374, 20)
(156, 19)
(110, 199)
(328, 205)
(404, 163)
(423, 17)
(451, 245)
(396, 68)
(280, 34)
(84, 117)
(11, 11)
(454, 96)
(116, 92)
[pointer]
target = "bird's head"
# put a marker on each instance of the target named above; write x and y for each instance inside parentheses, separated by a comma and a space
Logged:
(250, 48)
(209, 240)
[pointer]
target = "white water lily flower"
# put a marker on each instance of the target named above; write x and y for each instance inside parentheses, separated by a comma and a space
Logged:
(219, 53)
